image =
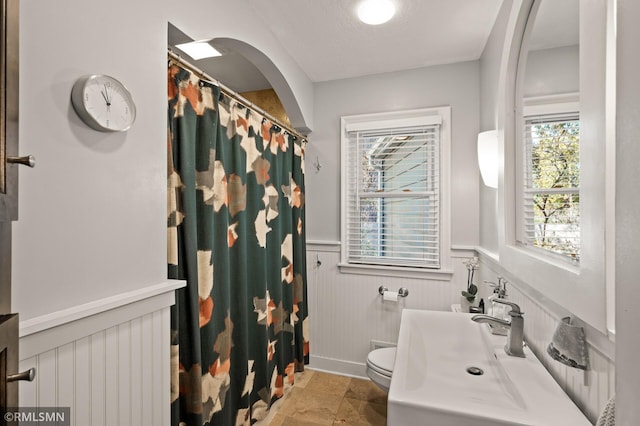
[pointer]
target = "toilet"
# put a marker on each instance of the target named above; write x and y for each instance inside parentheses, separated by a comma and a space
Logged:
(380, 363)
(380, 366)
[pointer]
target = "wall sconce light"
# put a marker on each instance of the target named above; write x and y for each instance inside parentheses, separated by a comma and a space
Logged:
(488, 157)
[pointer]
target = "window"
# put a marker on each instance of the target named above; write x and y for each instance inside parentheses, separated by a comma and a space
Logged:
(392, 191)
(551, 184)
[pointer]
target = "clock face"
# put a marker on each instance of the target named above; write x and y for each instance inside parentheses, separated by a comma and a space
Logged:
(103, 103)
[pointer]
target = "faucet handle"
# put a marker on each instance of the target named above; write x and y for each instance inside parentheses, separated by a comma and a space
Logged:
(497, 288)
(515, 309)
(500, 288)
(491, 284)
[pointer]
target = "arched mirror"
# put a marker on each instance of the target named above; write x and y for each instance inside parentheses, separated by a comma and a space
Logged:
(559, 166)
(548, 130)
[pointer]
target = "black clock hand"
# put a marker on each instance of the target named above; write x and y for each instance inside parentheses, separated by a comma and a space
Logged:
(107, 97)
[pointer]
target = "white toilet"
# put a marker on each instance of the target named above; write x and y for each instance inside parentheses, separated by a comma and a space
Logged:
(380, 366)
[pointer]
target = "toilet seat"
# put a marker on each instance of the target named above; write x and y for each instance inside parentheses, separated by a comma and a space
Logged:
(380, 366)
(381, 360)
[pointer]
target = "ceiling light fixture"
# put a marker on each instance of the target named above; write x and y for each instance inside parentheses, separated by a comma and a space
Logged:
(376, 12)
(198, 49)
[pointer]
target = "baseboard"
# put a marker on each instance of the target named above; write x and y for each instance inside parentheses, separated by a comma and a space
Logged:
(338, 366)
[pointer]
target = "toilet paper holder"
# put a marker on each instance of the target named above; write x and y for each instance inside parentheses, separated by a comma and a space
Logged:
(402, 292)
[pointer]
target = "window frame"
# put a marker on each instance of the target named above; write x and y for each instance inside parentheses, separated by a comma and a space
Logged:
(389, 120)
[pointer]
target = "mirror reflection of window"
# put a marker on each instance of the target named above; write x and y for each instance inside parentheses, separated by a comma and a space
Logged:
(549, 217)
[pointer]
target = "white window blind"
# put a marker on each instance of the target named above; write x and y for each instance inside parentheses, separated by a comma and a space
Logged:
(393, 199)
(551, 193)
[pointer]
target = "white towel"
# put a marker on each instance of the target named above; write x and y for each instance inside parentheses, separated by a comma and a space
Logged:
(608, 415)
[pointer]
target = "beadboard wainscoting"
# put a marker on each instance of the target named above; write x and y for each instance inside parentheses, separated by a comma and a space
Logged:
(109, 360)
(347, 312)
(589, 390)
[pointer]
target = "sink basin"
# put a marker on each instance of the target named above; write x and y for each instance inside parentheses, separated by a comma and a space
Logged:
(450, 370)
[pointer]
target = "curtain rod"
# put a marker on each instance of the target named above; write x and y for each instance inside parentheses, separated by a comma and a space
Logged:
(232, 93)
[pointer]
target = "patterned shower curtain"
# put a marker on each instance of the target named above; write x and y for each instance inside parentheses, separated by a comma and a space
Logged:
(236, 233)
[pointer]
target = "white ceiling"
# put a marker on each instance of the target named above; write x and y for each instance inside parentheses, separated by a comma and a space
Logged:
(328, 42)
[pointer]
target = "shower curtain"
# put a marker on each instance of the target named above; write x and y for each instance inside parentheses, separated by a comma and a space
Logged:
(236, 234)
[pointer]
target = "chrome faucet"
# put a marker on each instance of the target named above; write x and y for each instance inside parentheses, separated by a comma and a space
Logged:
(515, 334)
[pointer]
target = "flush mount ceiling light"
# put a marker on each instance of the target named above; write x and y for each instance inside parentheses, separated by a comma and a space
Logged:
(376, 12)
(198, 49)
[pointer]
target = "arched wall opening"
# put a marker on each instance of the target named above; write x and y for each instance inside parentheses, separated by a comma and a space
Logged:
(273, 75)
(245, 68)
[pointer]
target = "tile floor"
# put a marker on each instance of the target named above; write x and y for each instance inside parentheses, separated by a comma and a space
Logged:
(319, 398)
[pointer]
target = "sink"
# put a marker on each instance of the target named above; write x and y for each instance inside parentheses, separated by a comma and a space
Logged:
(450, 370)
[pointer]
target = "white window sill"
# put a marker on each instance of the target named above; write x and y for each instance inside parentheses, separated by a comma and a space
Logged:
(551, 259)
(396, 271)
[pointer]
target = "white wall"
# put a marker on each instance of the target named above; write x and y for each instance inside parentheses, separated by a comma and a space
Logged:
(93, 211)
(456, 85)
(489, 91)
(627, 207)
(542, 312)
(347, 308)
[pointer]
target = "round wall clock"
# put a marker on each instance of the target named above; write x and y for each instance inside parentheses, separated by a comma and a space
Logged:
(103, 103)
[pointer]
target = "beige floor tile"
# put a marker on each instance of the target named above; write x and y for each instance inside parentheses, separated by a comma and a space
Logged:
(360, 413)
(365, 390)
(348, 412)
(302, 378)
(311, 406)
(328, 383)
(319, 398)
(373, 414)
(277, 420)
(295, 421)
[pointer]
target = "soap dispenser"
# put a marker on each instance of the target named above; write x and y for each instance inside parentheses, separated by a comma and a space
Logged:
(494, 309)
(490, 306)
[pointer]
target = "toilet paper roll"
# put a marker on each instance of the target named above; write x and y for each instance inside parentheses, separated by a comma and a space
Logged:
(390, 296)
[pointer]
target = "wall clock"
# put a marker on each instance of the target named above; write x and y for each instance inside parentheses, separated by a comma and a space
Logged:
(103, 103)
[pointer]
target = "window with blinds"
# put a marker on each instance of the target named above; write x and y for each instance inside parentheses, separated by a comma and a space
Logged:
(551, 193)
(392, 214)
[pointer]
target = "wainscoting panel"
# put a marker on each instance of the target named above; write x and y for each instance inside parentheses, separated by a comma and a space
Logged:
(116, 375)
(347, 312)
(589, 390)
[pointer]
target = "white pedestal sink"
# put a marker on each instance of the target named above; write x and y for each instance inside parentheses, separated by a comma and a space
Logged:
(450, 370)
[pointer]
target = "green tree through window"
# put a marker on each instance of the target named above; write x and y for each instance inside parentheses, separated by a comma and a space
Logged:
(552, 198)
